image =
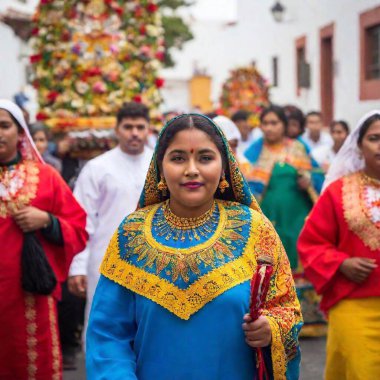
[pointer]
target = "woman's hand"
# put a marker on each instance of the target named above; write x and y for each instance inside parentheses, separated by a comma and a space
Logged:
(257, 333)
(357, 269)
(31, 219)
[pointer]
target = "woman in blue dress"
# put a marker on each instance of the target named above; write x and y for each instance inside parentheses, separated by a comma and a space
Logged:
(174, 292)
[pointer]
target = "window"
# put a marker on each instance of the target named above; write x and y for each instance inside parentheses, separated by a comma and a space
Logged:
(302, 67)
(373, 53)
(274, 71)
(370, 54)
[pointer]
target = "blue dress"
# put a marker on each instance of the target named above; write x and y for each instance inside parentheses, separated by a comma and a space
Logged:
(170, 302)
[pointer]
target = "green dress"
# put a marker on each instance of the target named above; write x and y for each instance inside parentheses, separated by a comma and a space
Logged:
(286, 205)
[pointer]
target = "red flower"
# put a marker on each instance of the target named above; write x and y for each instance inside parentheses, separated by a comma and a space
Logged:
(137, 99)
(138, 12)
(44, 2)
(36, 84)
(159, 82)
(160, 55)
(41, 116)
(152, 8)
(66, 36)
(142, 29)
(93, 71)
(52, 96)
(35, 31)
(35, 58)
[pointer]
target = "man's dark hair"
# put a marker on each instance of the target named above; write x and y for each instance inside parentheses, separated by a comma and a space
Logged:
(240, 115)
(133, 110)
(313, 113)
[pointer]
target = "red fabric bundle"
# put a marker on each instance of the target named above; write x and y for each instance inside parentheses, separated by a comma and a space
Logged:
(259, 289)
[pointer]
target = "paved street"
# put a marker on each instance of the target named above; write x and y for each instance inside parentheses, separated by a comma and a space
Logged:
(313, 361)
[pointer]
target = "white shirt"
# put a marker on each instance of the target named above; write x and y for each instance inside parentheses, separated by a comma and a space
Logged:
(108, 188)
(255, 134)
(324, 155)
(325, 139)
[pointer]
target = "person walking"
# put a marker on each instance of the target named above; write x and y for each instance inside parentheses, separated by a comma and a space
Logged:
(340, 251)
(108, 188)
(42, 227)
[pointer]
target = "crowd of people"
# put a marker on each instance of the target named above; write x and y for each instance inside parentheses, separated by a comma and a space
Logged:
(180, 223)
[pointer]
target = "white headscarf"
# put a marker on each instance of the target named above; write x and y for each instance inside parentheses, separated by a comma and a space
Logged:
(228, 127)
(348, 160)
(26, 146)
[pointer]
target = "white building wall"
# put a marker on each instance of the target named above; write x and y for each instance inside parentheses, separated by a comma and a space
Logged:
(12, 71)
(257, 37)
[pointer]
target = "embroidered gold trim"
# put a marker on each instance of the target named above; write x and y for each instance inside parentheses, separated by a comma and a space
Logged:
(277, 351)
(183, 303)
(56, 360)
(354, 209)
(31, 340)
(28, 171)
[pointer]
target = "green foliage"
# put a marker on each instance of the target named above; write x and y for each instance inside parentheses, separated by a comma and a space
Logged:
(176, 31)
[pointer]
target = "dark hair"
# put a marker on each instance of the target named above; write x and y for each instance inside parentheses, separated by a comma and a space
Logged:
(240, 116)
(211, 115)
(313, 113)
(39, 127)
(294, 113)
(133, 110)
(365, 126)
(343, 123)
(278, 111)
(186, 122)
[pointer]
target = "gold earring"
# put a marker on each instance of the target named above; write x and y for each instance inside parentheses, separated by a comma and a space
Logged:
(162, 186)
(223, 184)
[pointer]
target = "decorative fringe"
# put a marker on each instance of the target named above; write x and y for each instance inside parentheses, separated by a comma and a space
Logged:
(37, 276)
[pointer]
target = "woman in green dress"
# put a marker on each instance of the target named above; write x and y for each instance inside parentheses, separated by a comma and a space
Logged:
(286, 181)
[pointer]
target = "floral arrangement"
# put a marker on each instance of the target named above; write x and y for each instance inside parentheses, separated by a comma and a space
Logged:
(91, 56)
(245, 89)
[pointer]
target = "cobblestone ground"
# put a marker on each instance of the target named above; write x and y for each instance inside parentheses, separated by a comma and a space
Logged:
(313, 361)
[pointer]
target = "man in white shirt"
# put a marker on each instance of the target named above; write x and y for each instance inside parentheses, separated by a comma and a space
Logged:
(248, 135)
(314, 135)
(108, 188)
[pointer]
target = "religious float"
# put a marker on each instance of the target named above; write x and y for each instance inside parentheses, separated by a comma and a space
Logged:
(245, 89)
(90, 57)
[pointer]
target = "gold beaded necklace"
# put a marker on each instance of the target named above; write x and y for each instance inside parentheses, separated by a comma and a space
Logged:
(178, 228)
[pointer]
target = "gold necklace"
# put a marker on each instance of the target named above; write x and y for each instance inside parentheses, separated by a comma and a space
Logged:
(370, 181)
(178, 228)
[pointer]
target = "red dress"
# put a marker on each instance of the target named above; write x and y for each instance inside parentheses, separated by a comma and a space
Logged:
(29, 340)
(345, 222)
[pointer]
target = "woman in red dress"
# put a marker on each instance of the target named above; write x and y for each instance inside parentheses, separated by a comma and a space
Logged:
(340, 250)
(37, 205)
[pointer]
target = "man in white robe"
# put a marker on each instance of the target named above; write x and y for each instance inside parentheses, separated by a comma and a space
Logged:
(108, 188)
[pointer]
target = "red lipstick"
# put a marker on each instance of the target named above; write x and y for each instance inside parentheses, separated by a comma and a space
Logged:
(192, 185)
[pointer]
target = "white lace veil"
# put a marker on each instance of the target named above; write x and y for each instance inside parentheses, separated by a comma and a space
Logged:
(26, 145)
(348, 160)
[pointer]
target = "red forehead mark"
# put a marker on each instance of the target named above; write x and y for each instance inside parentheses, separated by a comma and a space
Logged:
(191, 150)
